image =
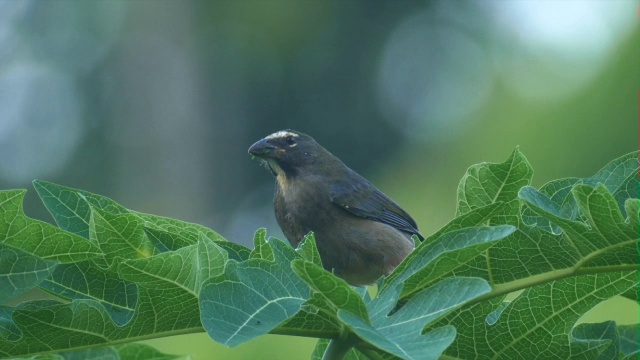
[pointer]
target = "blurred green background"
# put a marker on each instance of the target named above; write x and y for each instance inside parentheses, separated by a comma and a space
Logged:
(155, 102)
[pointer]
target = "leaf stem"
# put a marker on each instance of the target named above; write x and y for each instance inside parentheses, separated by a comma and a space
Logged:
(339, 347)
(336, 350)
(506, 288)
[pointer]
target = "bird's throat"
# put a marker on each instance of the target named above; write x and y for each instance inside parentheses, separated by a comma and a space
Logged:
(283, 182)
(282, 176)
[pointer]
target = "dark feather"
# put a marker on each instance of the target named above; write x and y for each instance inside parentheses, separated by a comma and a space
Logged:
(363, 199)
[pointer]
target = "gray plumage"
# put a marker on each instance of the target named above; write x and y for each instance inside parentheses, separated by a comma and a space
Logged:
(361, 233)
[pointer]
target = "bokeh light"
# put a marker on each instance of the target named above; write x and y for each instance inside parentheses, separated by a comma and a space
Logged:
(155, 103)
(547, 50)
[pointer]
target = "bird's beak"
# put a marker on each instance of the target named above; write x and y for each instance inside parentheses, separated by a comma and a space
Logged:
(262, 148)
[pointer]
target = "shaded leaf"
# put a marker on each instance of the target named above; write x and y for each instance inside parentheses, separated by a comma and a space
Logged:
(401, 334)
(252, 297)
(71, 208)
(86, 280)
(46, 325)
(321, 347)
(335, 290)
(629, 337)
(603, 338)
(167, 304)
(20, 272)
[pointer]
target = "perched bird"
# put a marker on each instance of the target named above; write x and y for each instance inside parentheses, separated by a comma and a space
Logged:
(360, 232)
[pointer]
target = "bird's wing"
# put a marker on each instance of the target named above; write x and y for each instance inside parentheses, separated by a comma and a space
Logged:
(363, 199)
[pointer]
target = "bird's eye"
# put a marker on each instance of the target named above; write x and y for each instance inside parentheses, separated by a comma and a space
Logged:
(290, 140)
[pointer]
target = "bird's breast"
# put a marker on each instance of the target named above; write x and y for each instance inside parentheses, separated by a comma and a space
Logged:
(300, 206)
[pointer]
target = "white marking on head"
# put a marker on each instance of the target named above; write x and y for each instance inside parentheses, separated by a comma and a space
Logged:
(281, 134)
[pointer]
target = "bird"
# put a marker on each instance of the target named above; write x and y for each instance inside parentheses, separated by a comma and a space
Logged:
(361, 233)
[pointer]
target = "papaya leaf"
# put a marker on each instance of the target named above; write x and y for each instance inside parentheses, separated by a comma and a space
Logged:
(401, 333)
(254, 296)
(20, 272)
(37, 238)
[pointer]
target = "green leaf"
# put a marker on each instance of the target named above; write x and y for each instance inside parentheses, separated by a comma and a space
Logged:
(185, 229)
(102, 353)
(177, 272)
(432, 260)
(569, 246)
(619, 177)
(86, 280)
(311, 321)
(605, 240)
(165, 241)
(71, 208)
(119, 236)
(317, 316)
(603, 338)
(261, 248)
(537, 322)
(47, 325)
(167, 304)
(20, 272)
(38, 238)
(176, 234)
(252, 297)
(309, 250)
(335, 290)
(321, 347)
(474, 218)
(401, 333)
(487, 183)
(532, 256)
(599, 207)
(629, 336)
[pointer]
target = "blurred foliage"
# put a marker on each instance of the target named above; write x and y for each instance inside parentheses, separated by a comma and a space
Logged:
(155, 103)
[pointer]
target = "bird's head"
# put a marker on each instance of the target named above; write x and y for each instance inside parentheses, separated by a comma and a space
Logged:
(288, 152)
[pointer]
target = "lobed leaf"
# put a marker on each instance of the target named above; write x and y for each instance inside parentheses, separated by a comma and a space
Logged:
(537, 322)
(486, 183)
(401, 333)
(130, 275)
(71, 208)
(336, 291)
(619, 177)
(37, 238)
(119, 236)
(252, 297)
(20, 272)
(432, 260)
(309, 250)
(103, 306)
(86, 280)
